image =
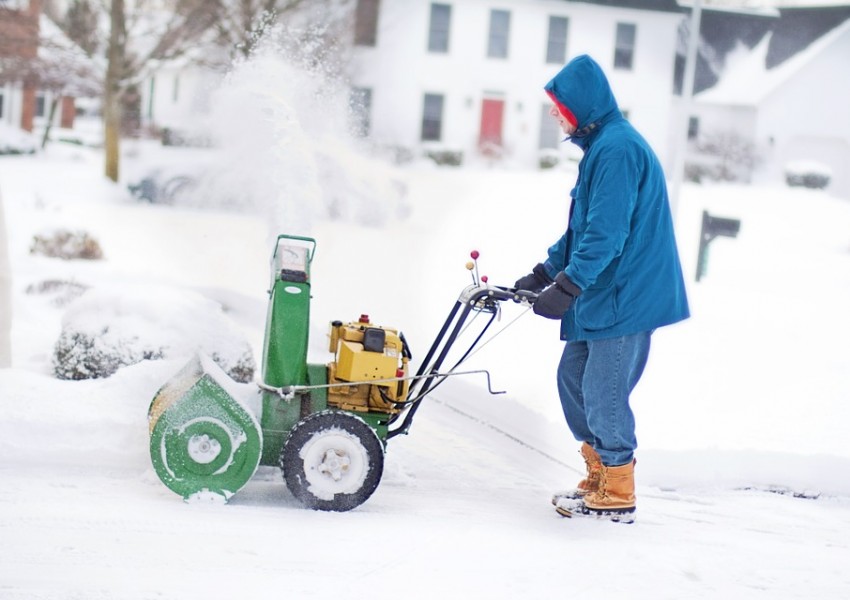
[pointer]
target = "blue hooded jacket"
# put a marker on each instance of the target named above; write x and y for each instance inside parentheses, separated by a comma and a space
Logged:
(619, 247)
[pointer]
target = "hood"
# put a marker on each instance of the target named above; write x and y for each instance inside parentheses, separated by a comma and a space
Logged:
(581, 87)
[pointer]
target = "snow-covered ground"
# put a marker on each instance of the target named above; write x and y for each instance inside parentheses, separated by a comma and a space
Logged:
(743, 467)
(746, 399)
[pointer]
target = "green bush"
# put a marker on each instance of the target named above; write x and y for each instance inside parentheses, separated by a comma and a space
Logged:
(451, 158)
(807, 175)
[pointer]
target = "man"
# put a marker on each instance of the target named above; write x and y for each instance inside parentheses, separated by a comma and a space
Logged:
(612, 279)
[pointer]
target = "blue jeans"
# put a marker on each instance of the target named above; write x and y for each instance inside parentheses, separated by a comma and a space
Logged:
(595, 379)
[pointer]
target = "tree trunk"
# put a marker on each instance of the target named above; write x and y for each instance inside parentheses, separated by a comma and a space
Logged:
(5, 295)
(112, 89)
(53, 103)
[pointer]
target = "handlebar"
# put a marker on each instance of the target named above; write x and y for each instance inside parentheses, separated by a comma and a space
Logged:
(478, 293)
(478, 297)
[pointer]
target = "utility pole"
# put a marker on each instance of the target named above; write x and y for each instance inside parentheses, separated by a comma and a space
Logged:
(681, 139)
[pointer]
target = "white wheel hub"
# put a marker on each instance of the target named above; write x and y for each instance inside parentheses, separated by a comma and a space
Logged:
(335, 462)
(203, 449)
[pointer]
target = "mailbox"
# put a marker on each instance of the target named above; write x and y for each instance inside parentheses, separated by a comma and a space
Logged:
(713, 227)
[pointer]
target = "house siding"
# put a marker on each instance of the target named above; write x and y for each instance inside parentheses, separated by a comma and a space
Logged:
(807, 117)
(400, 71)
(802, 117)
(19, 39)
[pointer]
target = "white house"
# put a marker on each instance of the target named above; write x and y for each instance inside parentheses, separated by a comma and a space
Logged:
(468, 75)
(176, 94)
(796, 111)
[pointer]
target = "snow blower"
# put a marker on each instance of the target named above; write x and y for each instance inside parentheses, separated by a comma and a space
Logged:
(325, 425)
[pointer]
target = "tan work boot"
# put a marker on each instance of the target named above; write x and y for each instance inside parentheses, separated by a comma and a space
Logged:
(613, 500)
(590, 483)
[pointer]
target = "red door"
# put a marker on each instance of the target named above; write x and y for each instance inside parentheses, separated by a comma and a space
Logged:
(490, 139)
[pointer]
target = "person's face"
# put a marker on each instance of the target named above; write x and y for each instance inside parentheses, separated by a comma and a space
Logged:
(567, 127)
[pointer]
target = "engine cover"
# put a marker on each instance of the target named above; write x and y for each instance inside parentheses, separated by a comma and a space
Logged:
(364, 353)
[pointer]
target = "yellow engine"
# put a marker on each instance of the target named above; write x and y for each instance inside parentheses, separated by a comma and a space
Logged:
(364, 353)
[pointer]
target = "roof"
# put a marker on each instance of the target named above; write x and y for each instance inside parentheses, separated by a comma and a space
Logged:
(655, 5)
(747, 81)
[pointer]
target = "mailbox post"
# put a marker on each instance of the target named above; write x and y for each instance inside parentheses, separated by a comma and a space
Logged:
(713, 227)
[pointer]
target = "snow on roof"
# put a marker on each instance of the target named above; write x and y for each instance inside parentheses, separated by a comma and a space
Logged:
(763, 7)
(749, 7)
(809, 3)
(746, 82)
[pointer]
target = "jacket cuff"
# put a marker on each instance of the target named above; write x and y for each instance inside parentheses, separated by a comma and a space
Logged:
(563, 282)
(551, 272)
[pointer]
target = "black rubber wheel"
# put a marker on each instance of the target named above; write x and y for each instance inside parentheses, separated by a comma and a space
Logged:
(332, 460)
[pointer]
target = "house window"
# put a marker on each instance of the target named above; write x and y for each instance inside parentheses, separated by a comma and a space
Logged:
(361, 111)
(556, 47)
(624, 50)
(550, 131)
(500, 25)
(438, 30)
(432, 118)
(39, 104)
(366, 22)
(693, 128)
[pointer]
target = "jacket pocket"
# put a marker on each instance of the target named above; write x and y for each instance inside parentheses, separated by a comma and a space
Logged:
(596, 308)
(606, 277)
(578, 218)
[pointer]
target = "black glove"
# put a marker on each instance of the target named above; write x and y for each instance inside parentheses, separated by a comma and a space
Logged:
(555, 300)
(534, 281)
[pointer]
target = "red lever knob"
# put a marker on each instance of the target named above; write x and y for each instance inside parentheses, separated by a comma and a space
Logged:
(474, 254)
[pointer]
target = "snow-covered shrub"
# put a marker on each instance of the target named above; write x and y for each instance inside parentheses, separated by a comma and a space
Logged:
(445, 157)
(108, 328)
(397, 155)
(548, 159)
(189, 137)
(16, 141)
(62, 292)
(807, 174)
(723, 156)
(81, 355)
(67, 245)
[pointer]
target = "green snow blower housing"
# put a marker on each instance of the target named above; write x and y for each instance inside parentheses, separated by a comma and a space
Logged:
(325, 425)
(204, 443)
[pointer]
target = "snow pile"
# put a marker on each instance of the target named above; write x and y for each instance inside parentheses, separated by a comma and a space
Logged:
(111, 327)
